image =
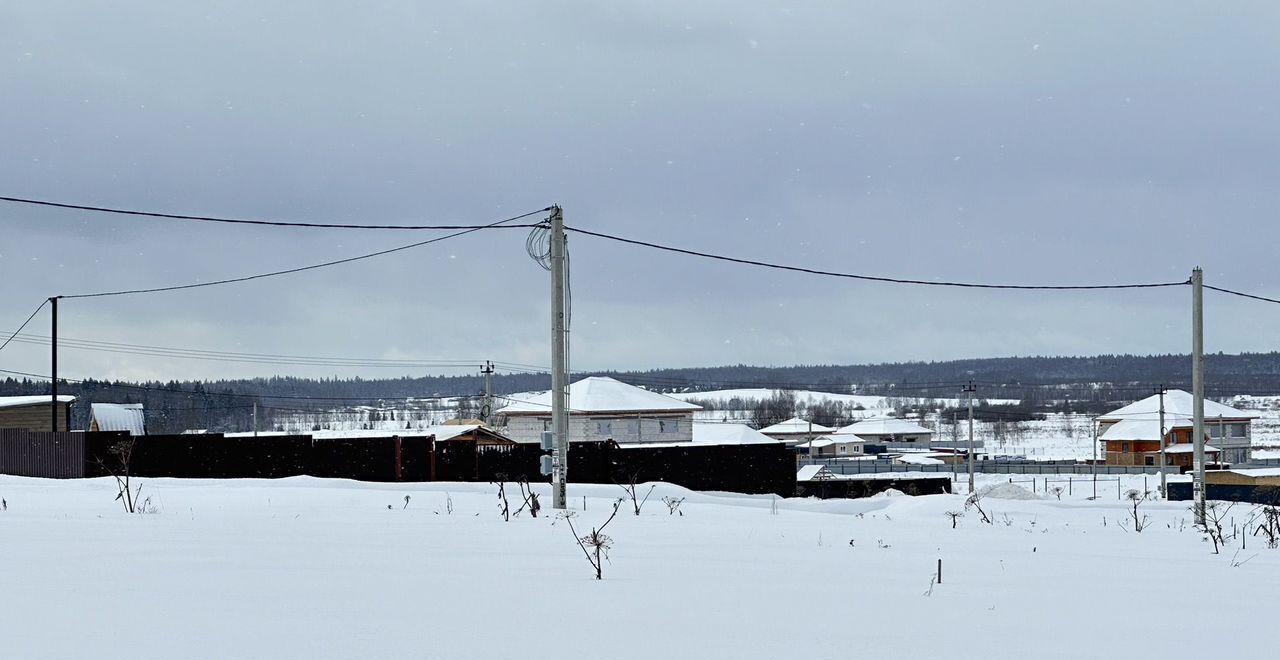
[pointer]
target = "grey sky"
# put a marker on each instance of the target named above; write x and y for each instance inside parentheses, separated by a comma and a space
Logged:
(993, 142)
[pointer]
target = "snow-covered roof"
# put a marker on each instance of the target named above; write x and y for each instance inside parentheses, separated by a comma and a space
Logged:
(19, 401)
(601, 394)
(1256, 472)
(884, 426)
(917, 459)
(1188, 448)
(814, 473)
(797, 426)
(118, 417)
(1176, 403)
(442, 432)
(828, 440)
(1143, 429)
(729, 434)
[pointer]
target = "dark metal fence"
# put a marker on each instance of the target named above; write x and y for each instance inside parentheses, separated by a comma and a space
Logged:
(742, 469)
(41, 454)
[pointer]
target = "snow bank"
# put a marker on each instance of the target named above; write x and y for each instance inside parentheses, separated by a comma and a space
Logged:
(891, 492)
(1007, 491)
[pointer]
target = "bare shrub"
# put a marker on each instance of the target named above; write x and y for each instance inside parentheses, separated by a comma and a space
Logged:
(955, 517)
(673, 505)
(1136, 498)
(120, 456)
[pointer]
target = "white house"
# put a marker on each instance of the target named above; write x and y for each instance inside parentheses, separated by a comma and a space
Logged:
(834, 446)
(796, 430)
(888, 431)
(128, 417)
(602, 408)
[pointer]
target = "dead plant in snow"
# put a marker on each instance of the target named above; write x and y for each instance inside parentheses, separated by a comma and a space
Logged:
(955, 517)
(1136, 498)
(637, 503)
(530, 499)
(595, 545)
(975, 502)
(117, 465)
(673, 505)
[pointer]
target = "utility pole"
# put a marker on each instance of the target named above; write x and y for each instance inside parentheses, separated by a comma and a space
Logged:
(53, 357)
(255, 418)
(559, 364)
(1164, 484)
(970, 390)
(1197, 391)
(487, 410)
(1093, 468)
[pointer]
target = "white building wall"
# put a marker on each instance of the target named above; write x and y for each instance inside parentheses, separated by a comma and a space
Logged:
(622, 429)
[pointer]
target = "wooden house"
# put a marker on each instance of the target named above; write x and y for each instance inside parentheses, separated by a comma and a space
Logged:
(32, 413)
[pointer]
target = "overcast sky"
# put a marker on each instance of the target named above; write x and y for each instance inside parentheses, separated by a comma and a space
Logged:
(1004, 142)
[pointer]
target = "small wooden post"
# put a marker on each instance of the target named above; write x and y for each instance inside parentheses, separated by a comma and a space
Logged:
(939, 571)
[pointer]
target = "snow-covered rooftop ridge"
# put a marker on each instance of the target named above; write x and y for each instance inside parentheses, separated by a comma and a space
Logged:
(19, 401)
(729, 434)
(118, 417)
(796, 425)
(1176, 402)
(600, 394)
(1143, 429)
(442, 432)
(884, 426)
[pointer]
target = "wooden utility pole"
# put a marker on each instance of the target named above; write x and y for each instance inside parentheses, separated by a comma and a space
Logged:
(559, 365)
(970, 390)
(53, 358)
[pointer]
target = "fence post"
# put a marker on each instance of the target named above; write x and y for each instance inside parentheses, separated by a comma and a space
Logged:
(939, 571)
(1069, 485)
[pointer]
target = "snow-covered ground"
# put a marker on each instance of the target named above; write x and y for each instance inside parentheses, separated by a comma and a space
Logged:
(310, 568)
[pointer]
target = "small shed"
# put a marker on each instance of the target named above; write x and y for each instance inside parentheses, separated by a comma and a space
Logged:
(31, 413)
(127, 417)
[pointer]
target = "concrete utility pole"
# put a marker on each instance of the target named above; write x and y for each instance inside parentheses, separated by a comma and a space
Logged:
(1164, 483)
(1093, 468)
(486, 413)
(1197, 391)
(53, 357)
(970, 390)
(559, 364)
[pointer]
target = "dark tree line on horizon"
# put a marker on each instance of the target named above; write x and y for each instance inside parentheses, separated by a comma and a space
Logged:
(1041, 384)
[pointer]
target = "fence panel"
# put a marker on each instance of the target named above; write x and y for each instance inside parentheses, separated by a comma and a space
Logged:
(58, 455)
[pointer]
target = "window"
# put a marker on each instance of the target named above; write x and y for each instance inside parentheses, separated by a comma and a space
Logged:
(843, 448)
(1124, 446)
(1215, 430)
(1151, 460)
(1239, 430)
(668, 425)
(604, 428)
(633, 427)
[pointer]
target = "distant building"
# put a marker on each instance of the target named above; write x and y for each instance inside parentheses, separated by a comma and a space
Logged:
(888, 431)
(602, 408)
(833, 446)
(478, 433)
(796, 430)
(1131, 435)
(31, 413)
(128, 417)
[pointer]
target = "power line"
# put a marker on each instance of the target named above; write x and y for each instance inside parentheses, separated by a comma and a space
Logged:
(872, 278)
(1242, 295)
(24, 323)
(304, 268)
(241, 221)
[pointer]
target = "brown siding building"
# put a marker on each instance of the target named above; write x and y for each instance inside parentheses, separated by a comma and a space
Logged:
(31, 413)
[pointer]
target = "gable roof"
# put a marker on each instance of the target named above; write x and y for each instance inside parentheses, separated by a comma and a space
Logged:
(1176, 403)
(1144, 429)
(716, 433)
(118, 417)
(601, 394)
(20, 401)
(797, 426)
(442, 433)
(884, 426)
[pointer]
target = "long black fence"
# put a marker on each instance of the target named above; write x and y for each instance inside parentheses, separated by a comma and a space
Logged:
(751, 469)
(57, 455)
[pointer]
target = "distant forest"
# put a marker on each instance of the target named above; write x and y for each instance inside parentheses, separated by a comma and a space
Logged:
(1082, 384)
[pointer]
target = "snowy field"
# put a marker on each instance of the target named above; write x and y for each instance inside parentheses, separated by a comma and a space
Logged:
(310, 568)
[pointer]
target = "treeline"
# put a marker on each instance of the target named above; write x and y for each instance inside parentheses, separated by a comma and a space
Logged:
(1039, 384)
